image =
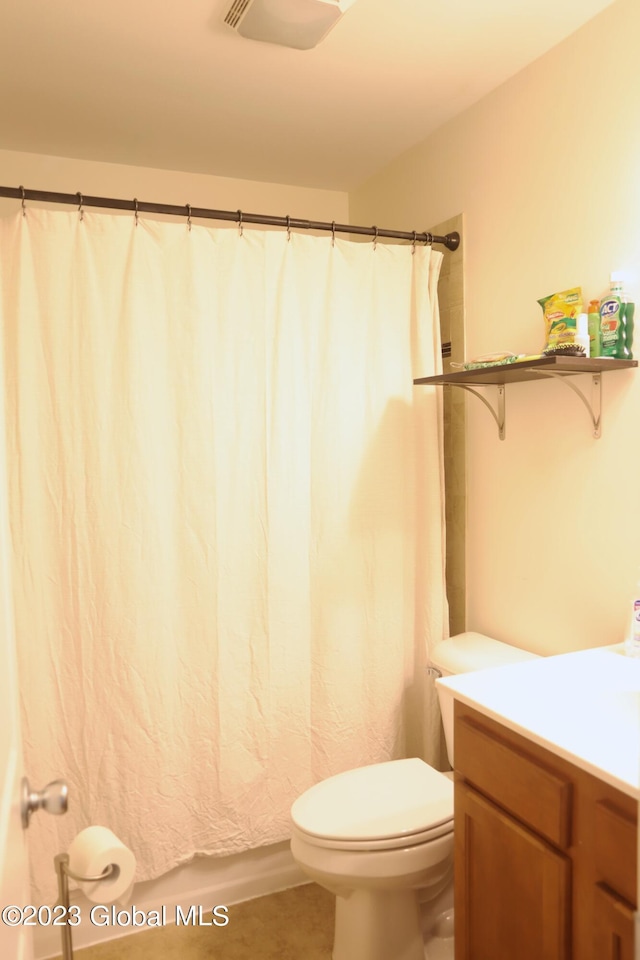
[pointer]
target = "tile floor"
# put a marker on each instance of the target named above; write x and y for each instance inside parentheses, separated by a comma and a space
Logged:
(295, 924)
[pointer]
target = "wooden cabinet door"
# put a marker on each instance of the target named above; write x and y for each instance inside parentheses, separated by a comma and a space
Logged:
(512, 889)
(613, 926)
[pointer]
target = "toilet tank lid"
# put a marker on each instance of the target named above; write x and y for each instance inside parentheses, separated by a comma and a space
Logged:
(469, 651)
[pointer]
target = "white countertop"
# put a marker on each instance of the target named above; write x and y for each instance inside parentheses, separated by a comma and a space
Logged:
(583, 706)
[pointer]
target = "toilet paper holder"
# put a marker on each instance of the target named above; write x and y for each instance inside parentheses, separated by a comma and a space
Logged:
(63, 872)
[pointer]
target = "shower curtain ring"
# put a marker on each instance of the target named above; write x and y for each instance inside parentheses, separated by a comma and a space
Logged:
(375, 238)
(288, 227)
(135, 210)
(189, 216)
(80, 210)
(413, 245)
(24, 209)
(240, 227)
(333, 233)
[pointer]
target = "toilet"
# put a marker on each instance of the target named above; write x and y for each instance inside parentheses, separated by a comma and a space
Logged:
(380, 837)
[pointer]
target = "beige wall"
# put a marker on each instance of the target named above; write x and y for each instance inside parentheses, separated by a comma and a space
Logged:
(166, 186)
(546, 172)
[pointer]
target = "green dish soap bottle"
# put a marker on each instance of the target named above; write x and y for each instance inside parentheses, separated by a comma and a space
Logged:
(629, 311)
(594, 328)
(612, 322)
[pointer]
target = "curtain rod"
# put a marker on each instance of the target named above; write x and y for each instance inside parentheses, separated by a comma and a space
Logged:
(451, 241)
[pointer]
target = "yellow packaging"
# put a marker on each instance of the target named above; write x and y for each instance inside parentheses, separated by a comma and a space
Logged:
(561, 311)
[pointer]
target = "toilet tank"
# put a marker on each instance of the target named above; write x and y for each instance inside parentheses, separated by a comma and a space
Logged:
(462, 654)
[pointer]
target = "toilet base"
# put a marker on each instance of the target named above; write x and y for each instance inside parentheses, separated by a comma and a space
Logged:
(377, 925)
(383, 896)
(438, 926)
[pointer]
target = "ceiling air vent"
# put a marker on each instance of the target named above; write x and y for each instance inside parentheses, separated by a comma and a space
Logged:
(291, 23)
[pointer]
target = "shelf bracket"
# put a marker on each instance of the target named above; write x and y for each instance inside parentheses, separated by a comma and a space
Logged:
(594, 406)
(498, 416)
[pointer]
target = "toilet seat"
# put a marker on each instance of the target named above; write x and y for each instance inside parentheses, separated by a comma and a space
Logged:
(388, 805)
(385, 843)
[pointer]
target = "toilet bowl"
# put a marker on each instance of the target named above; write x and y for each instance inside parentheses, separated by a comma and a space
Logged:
(380, 837)
(375, 836)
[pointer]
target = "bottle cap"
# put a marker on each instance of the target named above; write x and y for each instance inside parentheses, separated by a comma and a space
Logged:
(616, 282)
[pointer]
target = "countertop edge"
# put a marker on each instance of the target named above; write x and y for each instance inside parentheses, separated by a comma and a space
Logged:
(553, 747)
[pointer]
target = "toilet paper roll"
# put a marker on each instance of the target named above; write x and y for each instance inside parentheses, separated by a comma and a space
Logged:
(92, 850)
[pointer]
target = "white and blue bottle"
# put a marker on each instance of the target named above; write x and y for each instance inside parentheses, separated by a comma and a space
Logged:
(632, 643)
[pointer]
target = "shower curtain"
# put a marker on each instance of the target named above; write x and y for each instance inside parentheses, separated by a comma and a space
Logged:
(227, 521)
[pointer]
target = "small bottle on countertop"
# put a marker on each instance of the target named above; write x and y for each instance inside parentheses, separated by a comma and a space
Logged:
(632, 643)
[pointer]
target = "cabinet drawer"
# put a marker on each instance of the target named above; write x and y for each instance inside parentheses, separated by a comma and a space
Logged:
(526, 788)
(615, 849)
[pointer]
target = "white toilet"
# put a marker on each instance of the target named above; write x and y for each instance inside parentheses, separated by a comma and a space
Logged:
(381, 837)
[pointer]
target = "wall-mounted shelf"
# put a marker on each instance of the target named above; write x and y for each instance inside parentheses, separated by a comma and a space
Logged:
(559, 368)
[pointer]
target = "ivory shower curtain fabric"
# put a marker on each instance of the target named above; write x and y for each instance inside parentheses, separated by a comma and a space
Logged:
(227, 521)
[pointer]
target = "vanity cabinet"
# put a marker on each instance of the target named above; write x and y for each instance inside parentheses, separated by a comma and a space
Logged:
(545, 853)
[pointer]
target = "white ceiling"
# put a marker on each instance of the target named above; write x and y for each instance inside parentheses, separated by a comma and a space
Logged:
(168, 84)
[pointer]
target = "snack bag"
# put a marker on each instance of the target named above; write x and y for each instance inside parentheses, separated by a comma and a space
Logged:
(561, 312)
